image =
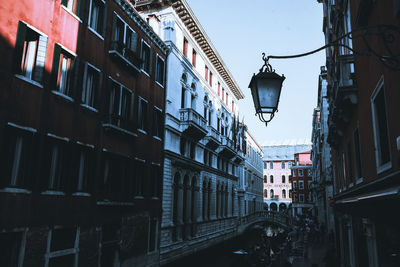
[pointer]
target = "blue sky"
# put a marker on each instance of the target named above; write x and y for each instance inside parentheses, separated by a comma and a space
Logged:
(242, 30)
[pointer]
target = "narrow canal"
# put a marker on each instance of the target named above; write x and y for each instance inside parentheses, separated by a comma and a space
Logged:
(258, 246)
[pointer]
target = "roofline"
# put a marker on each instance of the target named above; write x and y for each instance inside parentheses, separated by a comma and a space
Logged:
(185, 13)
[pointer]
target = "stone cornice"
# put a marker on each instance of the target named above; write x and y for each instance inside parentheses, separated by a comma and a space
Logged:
(130, 11)
(192, 24)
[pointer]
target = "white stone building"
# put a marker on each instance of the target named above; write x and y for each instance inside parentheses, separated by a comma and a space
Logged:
(278, 160)
(203, 161)
(250, 189)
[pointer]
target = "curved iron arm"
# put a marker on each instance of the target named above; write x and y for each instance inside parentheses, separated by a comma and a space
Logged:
(385, 33)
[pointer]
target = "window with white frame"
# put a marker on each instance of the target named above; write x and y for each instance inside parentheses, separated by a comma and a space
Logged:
(143, 107)
(146, 57)
(63, 247)
(72, 5)
(301, 184)
(380, 127)
(62, 71)
(123, 39)
(91, 85)
(157, 122)
(97, 16)
(301, 173)
(120, 106)
(17, 158)
(30, 52)
(160, 70)
(294, 185)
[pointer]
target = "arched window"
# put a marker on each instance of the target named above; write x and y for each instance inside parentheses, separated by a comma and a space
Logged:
(271, 165)
(290, 193)
(265, 179)
(271, 193)
(271, 179)
(283, 193)
(265, 193)
(283, 179)
(283, 164)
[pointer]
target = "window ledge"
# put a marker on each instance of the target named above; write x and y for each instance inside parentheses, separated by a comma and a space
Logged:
(116, 128)
(162, 86)
(81, 194)
(384, 167)
(52, 193)
(359, 180)
(71, 13)
(21, 77)
(142, 70)
(23, 128)
(15, 190)
(157, 138)
(89, 108)
(141, 131)
(62, 96)
(114, 203)
(96, 33)
(139, 197)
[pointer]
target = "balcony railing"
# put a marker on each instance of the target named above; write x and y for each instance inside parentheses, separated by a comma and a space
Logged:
(118, 123)
(213, 137)
(125, 54)
(192, 123)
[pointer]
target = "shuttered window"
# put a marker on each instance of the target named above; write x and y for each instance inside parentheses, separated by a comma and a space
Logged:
(62, 70)
(92, 80)
(30, 52)
(146, 56)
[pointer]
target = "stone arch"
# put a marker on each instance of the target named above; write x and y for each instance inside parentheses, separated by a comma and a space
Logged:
(273, 206)
(282, 207)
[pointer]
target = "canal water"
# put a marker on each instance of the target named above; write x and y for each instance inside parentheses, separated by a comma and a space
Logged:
(256, 247)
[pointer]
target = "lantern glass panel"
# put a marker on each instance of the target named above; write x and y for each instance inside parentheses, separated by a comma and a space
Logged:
(268, 93)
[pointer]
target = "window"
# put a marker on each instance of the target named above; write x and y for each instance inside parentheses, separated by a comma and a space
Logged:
(142, 113)
(265, 165)
(283, 193)
(309, 172)
(83, 173)
(146, 57)
(62, 249)
(265, 179)
(211, 76)
(185, 47)
(271, 179)
(300, 172)
(157, 122)
(124, 40)
(62, 71)
(283, 165)
(380, 127)
(290, 193)
(154, 185)
(153, 230)
(55, 168)
(182, 146)
(223, 93)
(30, 53)
(349, 163)
(290, 164)
(271, 165)
(71, 5)
(283, 179)
(219, 88)
(206, 73)
(294, 172)
(97, 18)
(160, 70)
(294, 185)
(271, 193)
(265, 193)
(120, 106)
(357, 152)
(301, 198)
(226, 99)
(301, 184)
(233, 106)
(194, 55)
(17, 160)
(91, 85)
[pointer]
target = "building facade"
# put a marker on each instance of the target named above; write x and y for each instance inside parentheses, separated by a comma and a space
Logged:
(250, 189)
(203, 157)
(81, 126)
(322, 186)
(364, 130)
(302, 200)
(277, 163)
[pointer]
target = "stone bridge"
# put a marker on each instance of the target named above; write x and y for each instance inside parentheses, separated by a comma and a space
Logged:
(272, 217)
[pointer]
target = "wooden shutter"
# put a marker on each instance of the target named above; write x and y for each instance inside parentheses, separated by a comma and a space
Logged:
(55, 67)
(19, 47)
(76, 78)
(40, 59)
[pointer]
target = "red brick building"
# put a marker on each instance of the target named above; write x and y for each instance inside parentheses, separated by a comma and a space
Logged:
(364, 129)
(302, 202)
(81, 123)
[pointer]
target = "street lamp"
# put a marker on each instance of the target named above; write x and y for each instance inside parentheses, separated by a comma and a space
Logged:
(266, 89)
(266, 85)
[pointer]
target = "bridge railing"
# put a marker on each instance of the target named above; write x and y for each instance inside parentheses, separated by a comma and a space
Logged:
(271, 216)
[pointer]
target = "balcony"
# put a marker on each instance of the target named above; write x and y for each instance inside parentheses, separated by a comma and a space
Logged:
(116, 123)
(121, 53)
(239, 157)
(192, 123)
(227, 148)
(212, 138)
